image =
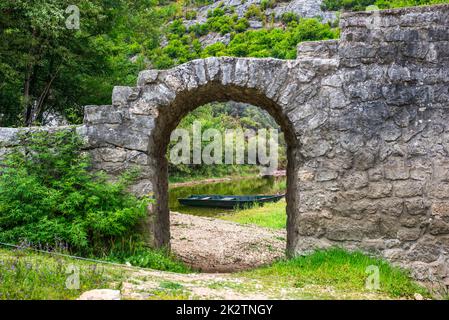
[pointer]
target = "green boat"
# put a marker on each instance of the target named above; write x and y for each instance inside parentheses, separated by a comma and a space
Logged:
(227, 202)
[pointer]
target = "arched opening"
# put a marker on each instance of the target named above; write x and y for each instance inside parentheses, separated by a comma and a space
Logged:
(168, 119)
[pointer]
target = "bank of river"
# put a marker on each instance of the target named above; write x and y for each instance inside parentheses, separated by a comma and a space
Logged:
(246, 186)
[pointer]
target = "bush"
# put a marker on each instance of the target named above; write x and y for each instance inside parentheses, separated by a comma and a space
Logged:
(288, 17)
(191, 15)
(222, 24)
(241, 25)
(266, 4)
(254, 12)
(48, 197)
(199, 29)
(177, 27)
(217, 12)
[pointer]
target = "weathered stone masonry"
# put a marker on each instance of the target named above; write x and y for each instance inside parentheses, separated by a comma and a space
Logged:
(366, 120)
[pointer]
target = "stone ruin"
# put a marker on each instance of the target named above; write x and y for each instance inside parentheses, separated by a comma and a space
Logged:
(365, 118)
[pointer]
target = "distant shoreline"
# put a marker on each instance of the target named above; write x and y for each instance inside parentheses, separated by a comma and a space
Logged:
(279, 173)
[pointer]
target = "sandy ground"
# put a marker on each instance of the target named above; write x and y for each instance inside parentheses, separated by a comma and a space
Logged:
(213, 245)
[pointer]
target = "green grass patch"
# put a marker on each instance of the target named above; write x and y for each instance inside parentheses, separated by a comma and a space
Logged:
(171, 285)
(341, 270)
(271, 215)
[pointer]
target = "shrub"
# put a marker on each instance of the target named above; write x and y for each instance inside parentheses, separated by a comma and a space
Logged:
(48, 196)
(214, 50)
(254, 12)
(163, 61)
(288, 17)
(177, 27)
(220, 24)
(241, 25)
(266, 4)
(191, 15)
(217, 12)
(199, 29)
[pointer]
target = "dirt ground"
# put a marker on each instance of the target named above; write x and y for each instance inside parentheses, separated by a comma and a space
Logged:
(213, 245)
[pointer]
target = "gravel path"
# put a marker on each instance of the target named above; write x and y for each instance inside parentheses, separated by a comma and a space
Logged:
(213, 245)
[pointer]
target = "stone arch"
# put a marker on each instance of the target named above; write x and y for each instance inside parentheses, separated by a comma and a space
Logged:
(215, 80)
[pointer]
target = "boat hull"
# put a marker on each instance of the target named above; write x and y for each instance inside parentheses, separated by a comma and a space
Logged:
(227, 202)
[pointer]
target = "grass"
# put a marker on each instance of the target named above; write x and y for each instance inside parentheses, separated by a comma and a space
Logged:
(340, 270)
(29, 276)
(326, 274)
(271, 215)
(138, 255)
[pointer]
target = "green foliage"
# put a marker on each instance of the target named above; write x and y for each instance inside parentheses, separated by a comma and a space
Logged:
(221, 23)
(267, 4)
(254, 12)
(241, 25)
(45, 66)
(191, 15)
(276, 42)
(177, 27)
(359, 5)
(48, 197)
(199, 29)
(288, 17)
(222, 116)
(49, 68)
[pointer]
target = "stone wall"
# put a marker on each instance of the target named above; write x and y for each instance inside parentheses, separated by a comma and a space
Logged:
(366, 121)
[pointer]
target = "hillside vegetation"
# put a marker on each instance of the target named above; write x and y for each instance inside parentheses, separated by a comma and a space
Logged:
(47, 68)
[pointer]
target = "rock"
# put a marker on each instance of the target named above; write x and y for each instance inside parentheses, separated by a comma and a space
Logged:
(101, 294)
(418, 296)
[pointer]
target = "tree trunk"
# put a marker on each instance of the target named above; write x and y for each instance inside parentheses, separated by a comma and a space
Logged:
(38, 110)
(26, 96)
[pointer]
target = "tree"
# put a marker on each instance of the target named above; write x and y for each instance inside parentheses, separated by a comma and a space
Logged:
(45, 65)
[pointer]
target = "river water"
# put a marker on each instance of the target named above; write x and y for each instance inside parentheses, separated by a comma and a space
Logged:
(245, 186)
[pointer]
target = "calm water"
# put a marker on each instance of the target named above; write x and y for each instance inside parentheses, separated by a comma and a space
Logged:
(247, 186)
